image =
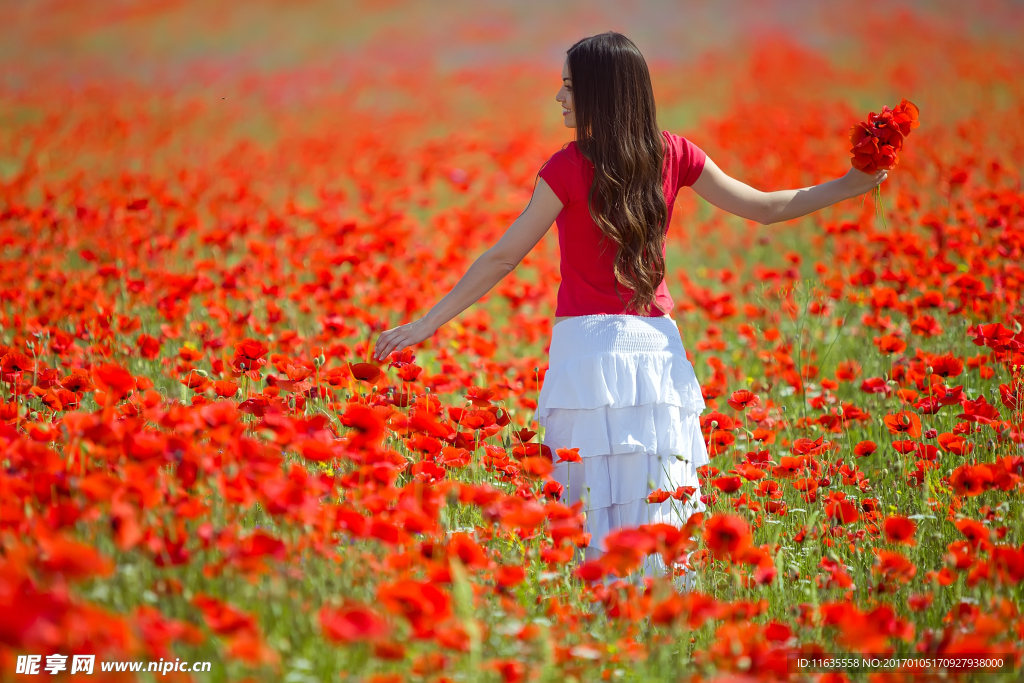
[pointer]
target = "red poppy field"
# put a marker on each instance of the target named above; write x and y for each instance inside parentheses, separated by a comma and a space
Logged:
(202, 238)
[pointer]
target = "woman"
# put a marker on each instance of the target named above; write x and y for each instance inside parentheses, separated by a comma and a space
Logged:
(618, 386)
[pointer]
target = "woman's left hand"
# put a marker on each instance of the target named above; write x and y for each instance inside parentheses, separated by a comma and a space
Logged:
(397, 338)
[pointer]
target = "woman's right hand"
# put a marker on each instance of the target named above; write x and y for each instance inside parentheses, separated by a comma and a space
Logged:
(859, 182)
(397, 338)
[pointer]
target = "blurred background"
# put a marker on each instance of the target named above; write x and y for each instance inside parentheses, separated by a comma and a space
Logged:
(453, 62)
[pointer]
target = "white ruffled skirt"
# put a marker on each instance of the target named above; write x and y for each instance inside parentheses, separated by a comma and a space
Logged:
(620, 388)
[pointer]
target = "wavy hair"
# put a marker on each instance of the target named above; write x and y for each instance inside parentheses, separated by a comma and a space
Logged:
(617, 131)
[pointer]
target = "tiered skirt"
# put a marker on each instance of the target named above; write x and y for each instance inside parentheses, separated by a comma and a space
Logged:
(620, 388)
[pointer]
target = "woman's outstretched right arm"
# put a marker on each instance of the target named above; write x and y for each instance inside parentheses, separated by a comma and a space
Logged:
(740, 199)
(488, 269)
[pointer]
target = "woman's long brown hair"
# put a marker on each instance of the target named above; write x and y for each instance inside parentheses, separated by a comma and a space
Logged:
(617, 130)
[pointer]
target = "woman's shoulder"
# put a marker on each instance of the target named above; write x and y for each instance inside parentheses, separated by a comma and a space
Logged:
(674, 140)
(677, 141)
(568, 151)
(688, 157)
(568, 155)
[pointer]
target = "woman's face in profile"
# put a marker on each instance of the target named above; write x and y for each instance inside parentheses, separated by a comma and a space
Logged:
(565, 97)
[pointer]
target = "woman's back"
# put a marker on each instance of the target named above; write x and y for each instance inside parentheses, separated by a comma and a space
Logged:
(589, 286)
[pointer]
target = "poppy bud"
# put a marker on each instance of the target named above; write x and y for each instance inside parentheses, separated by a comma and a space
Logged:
(202, 373)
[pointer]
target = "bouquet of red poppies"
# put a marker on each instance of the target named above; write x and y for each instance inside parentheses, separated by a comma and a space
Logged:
(877, 142)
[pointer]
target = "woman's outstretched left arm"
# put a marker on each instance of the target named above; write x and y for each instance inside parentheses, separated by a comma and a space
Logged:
(491, 266)
(740, 199)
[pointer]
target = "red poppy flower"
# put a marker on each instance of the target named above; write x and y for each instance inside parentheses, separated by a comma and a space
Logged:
(864, 449)
(974, 531)
(725, 535)
(893, 566)
(114, 379)
(683, 493)
(221, 617)
(77, 381)
(863, 140)
(537, 466)
(743, 399)
(509, 576)
(15, 361)
(904, 422)
(149, 347)
(590, 571)
(74, 560)
(658, 496)
(468, 551)
(971, 480)
(225, 388)
(905, 116)
(900, 530)
(422, 603)
(367, 423)
(352, 623)
(366, 372)
(727, 484)
(843, 511)
(568, 455)
(250, 349)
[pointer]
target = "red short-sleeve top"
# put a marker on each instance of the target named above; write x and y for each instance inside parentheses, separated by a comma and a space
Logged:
(588, 284)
